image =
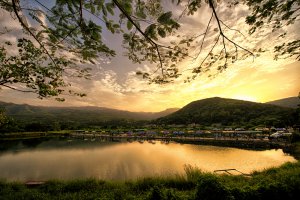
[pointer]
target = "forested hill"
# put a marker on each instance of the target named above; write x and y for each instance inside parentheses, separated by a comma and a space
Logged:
(28, 113)
(290, 102)
(229, 112)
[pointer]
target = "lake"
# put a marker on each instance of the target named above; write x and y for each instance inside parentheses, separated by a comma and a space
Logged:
(70, 159)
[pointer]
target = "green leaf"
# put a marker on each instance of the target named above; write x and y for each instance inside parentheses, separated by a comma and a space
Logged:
(161, 32)
(104, 11)
(93, 10)
(165, 18)
(116, 26)
(128, 8)
(150, 31)
(109, 8)
(87, 6)
(99, 7)
(141, 14)
(129, 25)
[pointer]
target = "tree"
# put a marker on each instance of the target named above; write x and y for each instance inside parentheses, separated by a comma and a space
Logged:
(32, 68)
(276, 14)
(71, 32)
(3, 118)
(7, 124)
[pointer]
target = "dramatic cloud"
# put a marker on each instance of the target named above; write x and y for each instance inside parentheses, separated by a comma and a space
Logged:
(114, 83)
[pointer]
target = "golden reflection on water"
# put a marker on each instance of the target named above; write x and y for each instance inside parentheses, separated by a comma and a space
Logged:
(131, 160)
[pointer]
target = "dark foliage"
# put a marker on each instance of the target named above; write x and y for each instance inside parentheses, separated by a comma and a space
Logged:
(230, 112)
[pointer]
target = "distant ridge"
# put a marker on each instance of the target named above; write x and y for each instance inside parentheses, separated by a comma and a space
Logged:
(227, 112)
(290, 102)
(28, 113)
(205, 112)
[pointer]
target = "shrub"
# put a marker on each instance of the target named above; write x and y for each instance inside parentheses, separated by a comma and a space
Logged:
(210, 188)
(156, 194)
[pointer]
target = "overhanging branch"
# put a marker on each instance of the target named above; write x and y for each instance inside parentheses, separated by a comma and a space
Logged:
(221, 31)
(16, 89)
(29, 31)
(154, 44)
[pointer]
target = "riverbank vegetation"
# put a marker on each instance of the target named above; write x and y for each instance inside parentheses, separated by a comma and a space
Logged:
(274, 183)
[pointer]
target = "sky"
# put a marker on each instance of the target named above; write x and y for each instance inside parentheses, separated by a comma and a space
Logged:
(114, 83)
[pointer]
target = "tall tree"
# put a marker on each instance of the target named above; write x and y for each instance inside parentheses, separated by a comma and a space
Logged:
(64, 33)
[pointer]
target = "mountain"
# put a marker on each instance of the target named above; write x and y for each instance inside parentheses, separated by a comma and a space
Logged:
(204, 112)
(27, 113)
(290, 102)
(228, 112)
(164, 113)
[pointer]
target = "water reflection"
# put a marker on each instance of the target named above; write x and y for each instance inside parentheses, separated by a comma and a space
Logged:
(108, 160)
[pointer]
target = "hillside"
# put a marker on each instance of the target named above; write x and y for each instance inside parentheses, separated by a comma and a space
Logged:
(228, 112)
(27, 113)
(290, 102)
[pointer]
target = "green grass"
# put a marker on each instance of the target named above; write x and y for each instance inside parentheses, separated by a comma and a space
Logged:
(274, 183)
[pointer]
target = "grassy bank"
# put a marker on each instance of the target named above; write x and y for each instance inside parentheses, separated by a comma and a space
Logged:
(275, 183)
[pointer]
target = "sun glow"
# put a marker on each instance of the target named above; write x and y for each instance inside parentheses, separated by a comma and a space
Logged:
(245, 98)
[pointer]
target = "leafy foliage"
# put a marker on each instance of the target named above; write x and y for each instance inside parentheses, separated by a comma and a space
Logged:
(277, 14)
(3, 118)
(30, 67)
(76, 29)
(209, 187)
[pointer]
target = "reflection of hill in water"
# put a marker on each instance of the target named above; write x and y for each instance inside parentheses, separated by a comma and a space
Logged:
(53, 143)
(56, 159)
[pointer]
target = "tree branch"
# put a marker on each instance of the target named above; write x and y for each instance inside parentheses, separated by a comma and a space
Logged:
(205, 33)
(209, 52)
(184, 11)
(30, 32)
(221, 31)
(80, 11)
(79, 24)
(70, 32)
(142, 20)
(154, 44)
(27, 91)
(43, 6)
(232, 28)
(2, 82)
(93, 15)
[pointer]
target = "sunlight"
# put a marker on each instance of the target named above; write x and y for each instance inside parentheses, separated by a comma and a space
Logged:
(245, 98)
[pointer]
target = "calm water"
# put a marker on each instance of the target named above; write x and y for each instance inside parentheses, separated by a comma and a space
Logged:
(62, 159)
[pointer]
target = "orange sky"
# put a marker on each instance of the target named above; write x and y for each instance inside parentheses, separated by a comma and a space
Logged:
(115, 85)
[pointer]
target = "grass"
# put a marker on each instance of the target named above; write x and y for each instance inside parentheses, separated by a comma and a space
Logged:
(274, 183)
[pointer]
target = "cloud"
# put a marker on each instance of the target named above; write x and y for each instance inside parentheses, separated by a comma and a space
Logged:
(115, 84)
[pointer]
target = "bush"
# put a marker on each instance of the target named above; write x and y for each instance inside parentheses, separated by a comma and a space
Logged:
(156, 194)
(210, 188)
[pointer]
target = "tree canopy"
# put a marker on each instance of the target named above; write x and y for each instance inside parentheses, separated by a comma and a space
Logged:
(64, 35)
